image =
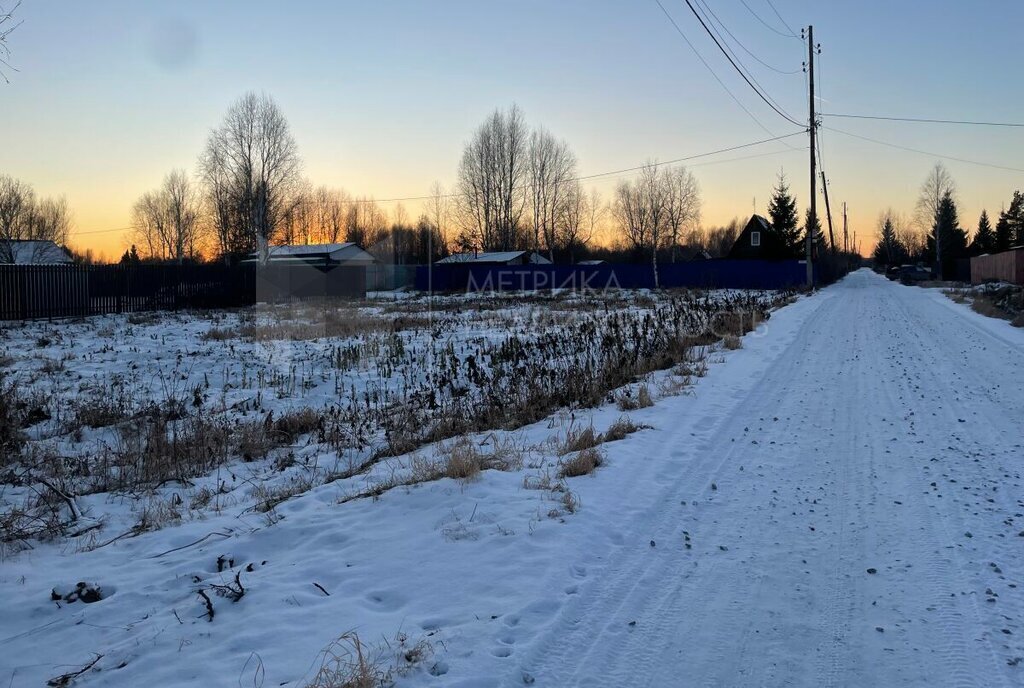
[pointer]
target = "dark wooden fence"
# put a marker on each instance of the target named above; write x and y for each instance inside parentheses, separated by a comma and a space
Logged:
(58, 291)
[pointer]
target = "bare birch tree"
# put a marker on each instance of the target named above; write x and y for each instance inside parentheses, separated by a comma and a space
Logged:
(491, 179)
(438, 210)
(682, 211)
(642, 210)
(166, 222)
(182, 203)
(552, 168)
(258, 159)
(937, 185)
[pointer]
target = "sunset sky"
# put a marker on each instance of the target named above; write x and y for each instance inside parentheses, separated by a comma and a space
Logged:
(111, 95)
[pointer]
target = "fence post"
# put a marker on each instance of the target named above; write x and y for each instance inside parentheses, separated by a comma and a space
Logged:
(22, 291)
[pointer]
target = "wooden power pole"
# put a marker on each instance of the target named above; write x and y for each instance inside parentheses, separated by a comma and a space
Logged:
(813, 131)
(828, 213)
(846, 239)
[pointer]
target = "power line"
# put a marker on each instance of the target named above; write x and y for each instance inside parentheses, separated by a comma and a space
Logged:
(790, 28)
(733, 58)
(925, 120)
(787, 151)
(712, 71)
(923, 152)
(707, 9)
(743, 74)
(766, 24)
(575, 179)
(102, 231)
(694, 157)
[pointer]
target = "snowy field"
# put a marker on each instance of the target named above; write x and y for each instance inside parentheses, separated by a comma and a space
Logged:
(262, 495)
(835, 500)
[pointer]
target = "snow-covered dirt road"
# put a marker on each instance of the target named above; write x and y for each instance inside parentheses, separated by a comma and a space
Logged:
(855, 519)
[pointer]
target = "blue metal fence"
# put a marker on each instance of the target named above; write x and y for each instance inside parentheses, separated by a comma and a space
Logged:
(709, 274)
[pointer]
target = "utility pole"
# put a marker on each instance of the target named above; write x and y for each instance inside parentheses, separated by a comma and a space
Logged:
(828, 213)
(813, 131)
(846, 239)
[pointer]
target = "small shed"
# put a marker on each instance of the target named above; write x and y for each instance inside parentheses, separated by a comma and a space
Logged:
(495, 258)
(32, 252)
(759, 241)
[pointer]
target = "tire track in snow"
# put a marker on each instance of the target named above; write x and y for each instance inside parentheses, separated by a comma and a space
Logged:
(711, 618)
(569, 646)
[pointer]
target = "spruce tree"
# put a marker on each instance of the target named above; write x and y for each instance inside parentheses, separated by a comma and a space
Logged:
(947, 227)
(1015, 219)
(890, 250)
(783, 216)
(1002, 239)
(814, 223)
(984, 239)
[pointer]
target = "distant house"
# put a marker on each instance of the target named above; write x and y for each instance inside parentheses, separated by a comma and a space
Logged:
(495, 258)
(688, 254)
(758, 240)
(335, 270)
(316, 255)
(32, 252)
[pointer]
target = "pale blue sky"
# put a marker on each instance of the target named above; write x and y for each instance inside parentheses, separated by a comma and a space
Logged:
(110, 95)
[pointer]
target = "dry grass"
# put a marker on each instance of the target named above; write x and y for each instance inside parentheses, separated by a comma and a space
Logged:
(985, 307)
(570, 502)
(576, 440)
(627, 401)
(620, 429)
(1002, 302)
(268, 497)
(464, 462)
(584, 462)
(348, 663)
(100, 411)
(12, 439)
(733, 323)
(732, 342)
(310, 324)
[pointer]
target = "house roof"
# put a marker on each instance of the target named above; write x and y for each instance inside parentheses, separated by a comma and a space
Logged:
(338, 252)
(491, 257)
(758, 220)
(32, 252)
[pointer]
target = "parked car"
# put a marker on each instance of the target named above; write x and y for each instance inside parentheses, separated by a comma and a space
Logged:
(893, 272)
(912, 274)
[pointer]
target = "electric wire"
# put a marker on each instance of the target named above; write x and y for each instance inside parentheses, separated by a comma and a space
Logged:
(743, 74)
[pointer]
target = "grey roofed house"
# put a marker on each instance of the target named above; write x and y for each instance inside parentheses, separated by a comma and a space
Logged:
(322, 255)
(495, 258)
(32, 252)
